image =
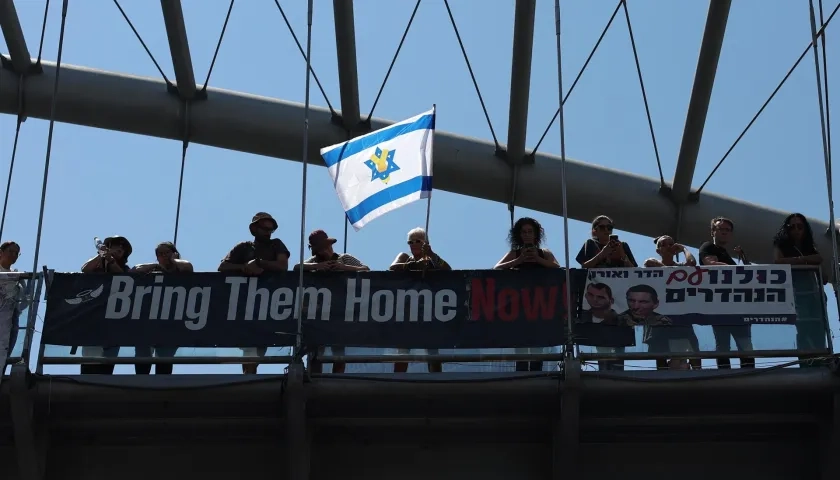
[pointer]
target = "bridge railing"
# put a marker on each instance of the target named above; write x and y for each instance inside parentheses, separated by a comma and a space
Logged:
(493, 318)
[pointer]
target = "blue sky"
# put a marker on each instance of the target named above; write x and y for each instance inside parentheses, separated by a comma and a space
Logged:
(104, 182)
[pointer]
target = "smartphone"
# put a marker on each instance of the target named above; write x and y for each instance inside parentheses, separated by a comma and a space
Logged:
(613, 238)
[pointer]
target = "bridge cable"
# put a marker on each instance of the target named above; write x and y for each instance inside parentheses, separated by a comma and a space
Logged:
(561, 122)
(825, 86)
(30, 326)
(644, 94)
(185, 144)
(579, 75)
(826, 153)
(827, 122)
(314, 76)
(298, 339)
(472, 75)
(513, 182)
(20, 119)
(43, 31)
(218, 46)
(819, 32)
(346, 218)
(148, 52)
(394, 60)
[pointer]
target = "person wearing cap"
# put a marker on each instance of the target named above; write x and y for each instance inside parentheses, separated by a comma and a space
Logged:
(168, 261)
(263, 254)
(112, 258)
(325, 259)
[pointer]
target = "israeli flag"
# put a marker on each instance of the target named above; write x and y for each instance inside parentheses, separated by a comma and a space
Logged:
(383, 170)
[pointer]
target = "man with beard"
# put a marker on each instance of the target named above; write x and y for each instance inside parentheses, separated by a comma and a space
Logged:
(263, 254)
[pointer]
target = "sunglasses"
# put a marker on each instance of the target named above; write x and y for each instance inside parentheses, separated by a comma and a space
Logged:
(604, 227)
(796, 226)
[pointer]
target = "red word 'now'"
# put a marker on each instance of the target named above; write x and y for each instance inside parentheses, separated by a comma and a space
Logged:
(509, 304)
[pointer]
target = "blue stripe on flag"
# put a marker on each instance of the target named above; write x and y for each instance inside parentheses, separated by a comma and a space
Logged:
(388, 195)
(353, 147)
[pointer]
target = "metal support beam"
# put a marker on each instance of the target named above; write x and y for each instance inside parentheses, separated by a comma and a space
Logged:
(298, 438)
(520, 80)
(271, 127)
(30, 435)
(15, 41)
(176, 31)
(701, 93)
(830, 442)
(566, 434)
(348, 78)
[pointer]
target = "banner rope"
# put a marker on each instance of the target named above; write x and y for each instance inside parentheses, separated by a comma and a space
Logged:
(561, 122)
(20, 119)
(298, 339)
(30, 327)
(826, 155)
(184, 146)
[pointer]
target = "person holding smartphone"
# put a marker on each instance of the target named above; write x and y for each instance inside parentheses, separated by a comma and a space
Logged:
(605, 250)
(526, 252)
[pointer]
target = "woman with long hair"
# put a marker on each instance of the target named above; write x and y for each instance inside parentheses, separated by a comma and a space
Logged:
(526, 252)
(525, 239)
(794, 242)
(794, 245)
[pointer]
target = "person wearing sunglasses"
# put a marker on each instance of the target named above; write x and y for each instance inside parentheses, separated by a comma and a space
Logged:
(604, 250)
(420, 258)
(794, 242)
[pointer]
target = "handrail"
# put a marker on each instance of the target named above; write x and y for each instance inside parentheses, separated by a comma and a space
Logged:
(198, 360)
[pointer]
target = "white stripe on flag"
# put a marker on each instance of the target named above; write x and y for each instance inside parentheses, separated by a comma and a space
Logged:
(383, 170)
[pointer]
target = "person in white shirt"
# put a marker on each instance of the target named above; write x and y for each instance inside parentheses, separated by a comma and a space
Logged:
(9, 289)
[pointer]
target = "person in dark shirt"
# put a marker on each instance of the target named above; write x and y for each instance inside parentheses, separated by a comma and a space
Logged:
(712, 253)
(263, 254)
(526, 252)
(602, 250)
(794, 245)
(168, 262)
(794, 242)
(111, 258)
(325, 259)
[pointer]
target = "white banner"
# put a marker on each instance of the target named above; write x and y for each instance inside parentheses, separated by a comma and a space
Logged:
(705, 295)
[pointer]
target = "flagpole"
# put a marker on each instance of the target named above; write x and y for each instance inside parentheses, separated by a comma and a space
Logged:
(429, 198)
(299, 308)
(568, 292)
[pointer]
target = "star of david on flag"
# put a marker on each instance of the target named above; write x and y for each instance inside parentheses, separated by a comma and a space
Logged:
(383, 170)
